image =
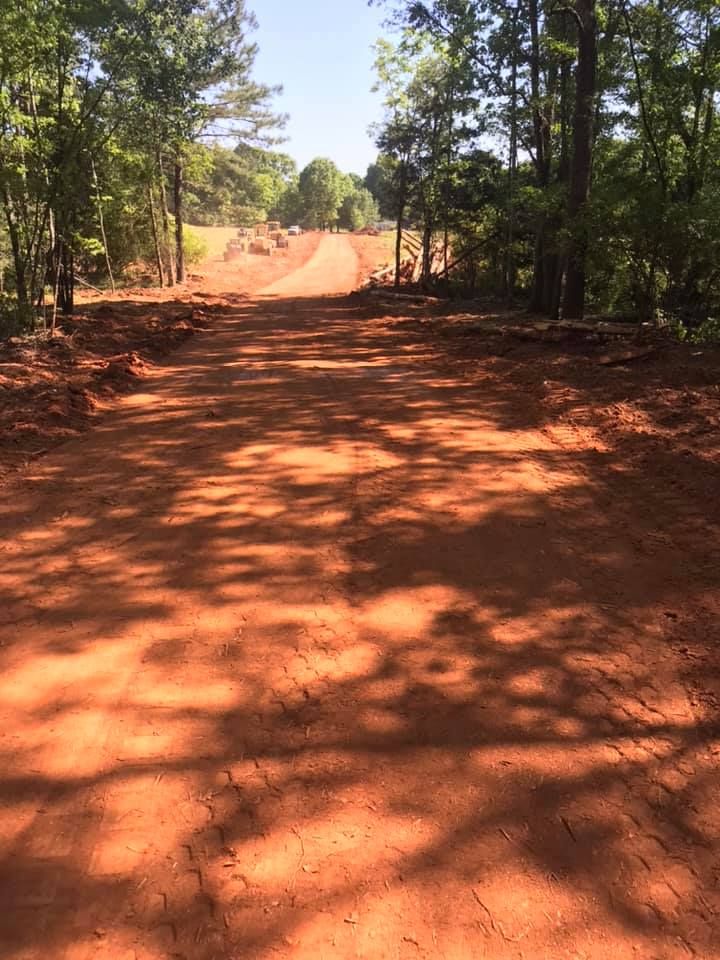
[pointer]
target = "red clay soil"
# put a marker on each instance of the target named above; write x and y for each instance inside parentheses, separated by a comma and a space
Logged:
(350, 637)
(52, 389)
(373, 252)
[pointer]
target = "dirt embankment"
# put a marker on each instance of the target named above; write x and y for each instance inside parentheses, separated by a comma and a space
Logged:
(373, 252)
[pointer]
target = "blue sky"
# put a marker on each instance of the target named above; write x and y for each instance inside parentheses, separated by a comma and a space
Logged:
(319, 50)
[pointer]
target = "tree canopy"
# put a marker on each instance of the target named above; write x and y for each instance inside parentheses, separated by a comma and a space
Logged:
(574, 147)
(103, 106)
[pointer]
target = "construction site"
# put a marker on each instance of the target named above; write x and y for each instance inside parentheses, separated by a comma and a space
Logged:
(262, 240)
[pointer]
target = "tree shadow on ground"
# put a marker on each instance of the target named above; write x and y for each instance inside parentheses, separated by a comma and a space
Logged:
(313, 648)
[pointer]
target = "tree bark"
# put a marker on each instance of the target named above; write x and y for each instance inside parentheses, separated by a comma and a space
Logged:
(542, 154)
(101, 220)
(179, 225)
(581, 169)
(21, 289)
(427, 237)
(165, 222)
(554, 263)
(66, 293)
(400, 215)
(57, 267)
(156, 236)
(512, 165)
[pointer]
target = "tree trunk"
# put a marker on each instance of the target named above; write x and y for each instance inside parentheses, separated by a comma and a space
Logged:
(66, 290)
(101, 221)
(447, 187)
(178, 197)
(56, 261)
(538, 285)
(512, 165)
(427, 252)
(63, 268)
(165, 222)
(400, 216)
(156, 236)
(21, 289)
(581, 169)
(542, 132)
(553, 263)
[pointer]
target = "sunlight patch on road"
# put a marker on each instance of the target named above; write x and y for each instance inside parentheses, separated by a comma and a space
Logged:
(319, 463)
(407, 611)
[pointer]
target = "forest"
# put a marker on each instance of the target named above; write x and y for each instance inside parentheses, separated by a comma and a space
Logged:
(568, 154)
(120, 122)
(564, 157)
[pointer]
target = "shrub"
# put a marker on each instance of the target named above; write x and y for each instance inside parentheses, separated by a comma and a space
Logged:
(196, 250)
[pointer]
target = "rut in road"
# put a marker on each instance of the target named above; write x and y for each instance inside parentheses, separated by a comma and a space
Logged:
(313, 651)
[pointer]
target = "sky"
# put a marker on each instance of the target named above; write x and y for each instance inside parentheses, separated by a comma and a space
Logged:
(320, 51)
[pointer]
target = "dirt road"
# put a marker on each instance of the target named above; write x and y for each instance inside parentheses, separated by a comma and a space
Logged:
(333, 269)
(311, 650)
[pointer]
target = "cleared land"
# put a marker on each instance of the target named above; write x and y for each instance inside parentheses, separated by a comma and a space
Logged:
(357, 631)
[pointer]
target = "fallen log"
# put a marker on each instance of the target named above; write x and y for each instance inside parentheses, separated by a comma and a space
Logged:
(601, 326)
(451, 266)
(384, 293)
(379, 275)
(624, 356)
(410, 240)
(85, 283)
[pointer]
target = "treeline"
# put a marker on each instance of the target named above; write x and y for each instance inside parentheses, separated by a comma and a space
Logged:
(115, 120)
(104, 106)
(568, 153)
(249, 185)
(322, 198)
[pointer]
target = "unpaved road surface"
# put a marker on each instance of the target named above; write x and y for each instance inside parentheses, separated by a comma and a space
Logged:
(311, 650)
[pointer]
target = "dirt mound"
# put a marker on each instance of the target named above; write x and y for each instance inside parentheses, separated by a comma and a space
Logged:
(51, 389)
(123, 366)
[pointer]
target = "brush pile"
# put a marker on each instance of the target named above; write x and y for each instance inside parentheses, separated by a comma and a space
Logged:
(411, 265)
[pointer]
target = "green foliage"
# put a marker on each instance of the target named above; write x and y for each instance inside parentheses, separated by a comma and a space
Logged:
(99, 103)
(358, 209)
(321, 197)
(647, 231)
(322, 188)
(196, 250)
(707, 332)
(13, 320)
(379, 181)
(242, 186)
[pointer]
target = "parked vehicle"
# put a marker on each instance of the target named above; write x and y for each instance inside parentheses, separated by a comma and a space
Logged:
(294, 231)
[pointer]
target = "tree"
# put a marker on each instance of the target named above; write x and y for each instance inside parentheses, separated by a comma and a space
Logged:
(321, 187)
(379, 181)
(98, 100)
(241, 186)
(611, 106)
(358, 209)
(61, 81)
(428, 106)
(194, 79)
(582, 155)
